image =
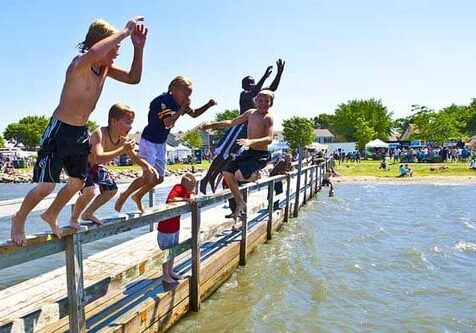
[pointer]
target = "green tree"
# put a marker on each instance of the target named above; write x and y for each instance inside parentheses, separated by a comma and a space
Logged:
(2, 142)
(193, 139)
(298, 132)
(371, 111)
(27, 131)
(363, 133)
(225, 115)
(323, 120)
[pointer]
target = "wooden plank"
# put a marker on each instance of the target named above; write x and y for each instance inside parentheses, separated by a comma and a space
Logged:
(244, 230)
(74, 279)
(195, 279)
(270, 210)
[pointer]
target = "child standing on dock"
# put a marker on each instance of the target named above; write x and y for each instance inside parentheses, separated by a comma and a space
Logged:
(168, 230)
(107, 143)
(65, 142)
(245, 167)
(164, 111)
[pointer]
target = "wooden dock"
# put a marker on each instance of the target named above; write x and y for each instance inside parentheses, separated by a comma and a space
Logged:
(120, 289)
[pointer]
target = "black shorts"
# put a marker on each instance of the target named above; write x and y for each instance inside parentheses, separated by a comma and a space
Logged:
(99, 174)
(248, 162)
(62, 146)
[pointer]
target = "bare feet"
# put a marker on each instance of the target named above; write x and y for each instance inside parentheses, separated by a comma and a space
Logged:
(138, 202)
(168, 279)
(92, 218)
(18, 231)
(74, 224)
(120, 202)
(53, 225)
(176, 276)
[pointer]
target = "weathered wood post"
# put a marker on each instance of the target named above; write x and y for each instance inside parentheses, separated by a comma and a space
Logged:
(151, 204)
(244, 229)
(311, 181)
(298, 184)
(288, 193)
(305, 187)
(74, 281)
(269, 226)
(195, 278)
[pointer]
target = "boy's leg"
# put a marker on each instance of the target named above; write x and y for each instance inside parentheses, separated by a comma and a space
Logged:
(83, 200)
(36, 194)
(235, 191)
(134, 186)
(64, 195)
(99, 201)
(166, 268)
(148, 186)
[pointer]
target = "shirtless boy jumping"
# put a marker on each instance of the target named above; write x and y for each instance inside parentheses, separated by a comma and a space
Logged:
(260, 134)
(107, 143)
(65, 142)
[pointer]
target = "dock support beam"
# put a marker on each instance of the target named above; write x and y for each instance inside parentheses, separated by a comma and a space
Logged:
(244, 230)
(195, 279)
(74, 280)
(288, 194)
(269, 226)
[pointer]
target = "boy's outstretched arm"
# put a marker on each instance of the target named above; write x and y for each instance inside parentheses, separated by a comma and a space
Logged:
(280, 64)
(260, 83)
(197, 112)
(133, 76)
(228, 123)
(99, 50)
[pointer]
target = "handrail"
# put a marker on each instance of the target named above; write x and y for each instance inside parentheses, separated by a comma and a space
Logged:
(43, 245)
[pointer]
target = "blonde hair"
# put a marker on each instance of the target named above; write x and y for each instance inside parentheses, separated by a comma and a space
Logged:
(98, 30)
(189, 178)
(180, 82)
(268, 93)
(119, 111)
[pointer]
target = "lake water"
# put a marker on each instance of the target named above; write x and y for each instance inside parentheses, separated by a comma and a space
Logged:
(374, 258)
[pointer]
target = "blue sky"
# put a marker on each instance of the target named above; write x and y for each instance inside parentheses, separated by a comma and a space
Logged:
(402, 52)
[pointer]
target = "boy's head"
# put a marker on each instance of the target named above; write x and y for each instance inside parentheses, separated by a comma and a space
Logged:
(181, 90)
(121, 117)
(247, 83)
(264, 100)
(98, 30)
(189, 181)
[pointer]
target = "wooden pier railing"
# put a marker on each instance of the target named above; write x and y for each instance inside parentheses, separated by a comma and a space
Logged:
(39, 246)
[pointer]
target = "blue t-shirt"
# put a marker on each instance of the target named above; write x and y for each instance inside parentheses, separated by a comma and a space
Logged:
(160, 108)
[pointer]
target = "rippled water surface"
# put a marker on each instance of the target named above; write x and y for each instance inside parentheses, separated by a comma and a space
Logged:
(374, 258)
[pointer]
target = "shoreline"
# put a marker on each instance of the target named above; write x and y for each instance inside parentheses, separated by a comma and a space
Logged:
(456, 180)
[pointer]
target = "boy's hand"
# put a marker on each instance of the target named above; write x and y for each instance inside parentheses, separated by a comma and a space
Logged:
(244, 142)
(131, 24)
(280, 64)
(212, 102)
(268, 72)
(190, 200)
(129, 145)
(139, 35)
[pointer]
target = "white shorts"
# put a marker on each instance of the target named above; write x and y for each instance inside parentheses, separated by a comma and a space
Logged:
(154, 154)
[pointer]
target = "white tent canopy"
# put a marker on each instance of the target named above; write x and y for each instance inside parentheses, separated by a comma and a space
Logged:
(317, 146)
(183, 151)
(377, 143)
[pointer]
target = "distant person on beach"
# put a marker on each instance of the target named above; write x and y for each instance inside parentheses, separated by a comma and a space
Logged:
(246, 166)
(107, 143)
(403, 171)
(164, 111)
(383, 164)
(65, 142)
(169, 230)
(326, 181)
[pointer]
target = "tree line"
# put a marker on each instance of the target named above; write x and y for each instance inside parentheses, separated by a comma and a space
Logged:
(357, 120)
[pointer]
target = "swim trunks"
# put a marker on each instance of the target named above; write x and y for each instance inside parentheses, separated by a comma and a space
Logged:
(62, 146)
(99, 174)
(248, 162)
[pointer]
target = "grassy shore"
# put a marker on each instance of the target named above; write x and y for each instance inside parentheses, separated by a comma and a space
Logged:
(371, 168)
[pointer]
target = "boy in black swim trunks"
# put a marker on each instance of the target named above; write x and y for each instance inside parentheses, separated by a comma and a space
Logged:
(65, 142)
(107, 143)
(260, 134)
